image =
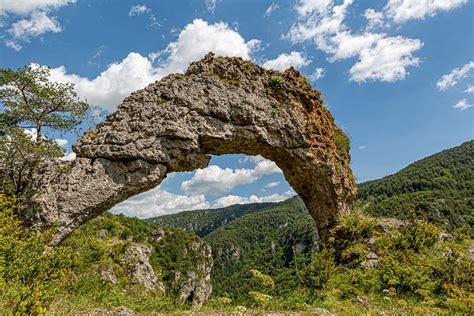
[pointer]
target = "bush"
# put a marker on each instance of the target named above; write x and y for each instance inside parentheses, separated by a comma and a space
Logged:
(316, 274)
(343, 143)
(31, 274)
(276, 82)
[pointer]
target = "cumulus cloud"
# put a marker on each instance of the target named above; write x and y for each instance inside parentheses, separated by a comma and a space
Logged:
(216, 180)
(25, 7)
(198, 38)
(285, 61)
(462, 105)
(38, 23)
(374, 18)
(114, 84)
(387, 60)
(380, 57)
(305, 7)
(403, 10)
(69, 156)
(454, 76)
(61, 141)
(235, 199)
(134, 72)
(159, 202)
(317, 74)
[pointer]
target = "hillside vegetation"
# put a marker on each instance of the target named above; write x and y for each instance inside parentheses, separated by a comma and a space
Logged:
(439, 188)
(202, 222)
(264, 256)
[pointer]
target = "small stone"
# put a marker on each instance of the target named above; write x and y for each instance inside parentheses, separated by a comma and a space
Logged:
(445, 236)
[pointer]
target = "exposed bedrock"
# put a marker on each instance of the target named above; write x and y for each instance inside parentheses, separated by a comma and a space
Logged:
(220, 106)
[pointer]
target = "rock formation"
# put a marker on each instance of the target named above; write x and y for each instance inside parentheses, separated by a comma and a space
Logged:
(219, 106)
(194, 285)
(137, 260)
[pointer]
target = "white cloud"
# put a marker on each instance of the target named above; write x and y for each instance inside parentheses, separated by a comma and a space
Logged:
(374, 18)
(387, 60)
(271, 185)
(159, 202)
(362, 147)
(462, 105)
(380, 57)
(317, 74)
(142, 9)
(285, 61)
(469, 89)
(234, 199)
(61, 141)
(454, 76)
(198, 38)
(305, 7)
(38, 24)
(403, 10)
(271, 9)
(136, 71)
(13, 45)
(115, 83)
(69, 157)
(215, 180)
(138, 10)
(23, 7)
(211, 5)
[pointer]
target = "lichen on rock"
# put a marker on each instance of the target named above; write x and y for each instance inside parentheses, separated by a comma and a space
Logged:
(219, 106)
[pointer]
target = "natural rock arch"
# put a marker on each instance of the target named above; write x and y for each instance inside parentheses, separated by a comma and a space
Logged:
(219, 106)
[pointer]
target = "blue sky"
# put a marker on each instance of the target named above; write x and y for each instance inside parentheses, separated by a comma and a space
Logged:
(396, 74)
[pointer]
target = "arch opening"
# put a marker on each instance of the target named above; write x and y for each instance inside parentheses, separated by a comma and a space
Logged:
(227, 180)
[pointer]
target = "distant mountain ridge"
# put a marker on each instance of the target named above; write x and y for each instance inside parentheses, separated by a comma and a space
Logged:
(203, 222)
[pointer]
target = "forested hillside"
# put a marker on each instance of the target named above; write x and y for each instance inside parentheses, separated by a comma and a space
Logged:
(202, 222)
(274, 240)
(439, 188)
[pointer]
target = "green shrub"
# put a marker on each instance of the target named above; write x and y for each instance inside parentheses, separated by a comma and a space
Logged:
(343, 144)
(316, 274)
(276, 82)
(31, 274)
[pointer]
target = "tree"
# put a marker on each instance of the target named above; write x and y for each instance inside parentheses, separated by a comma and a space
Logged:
(31, 101)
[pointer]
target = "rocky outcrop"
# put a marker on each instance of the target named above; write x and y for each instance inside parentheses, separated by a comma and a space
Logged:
(194, 286)
(137, 261)
(219, 106)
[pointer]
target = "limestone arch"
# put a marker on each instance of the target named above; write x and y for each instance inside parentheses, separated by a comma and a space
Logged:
(219, 106)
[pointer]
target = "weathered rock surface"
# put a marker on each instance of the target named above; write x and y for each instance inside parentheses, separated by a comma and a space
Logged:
(137, 260)
(220, 106)
(194, 286)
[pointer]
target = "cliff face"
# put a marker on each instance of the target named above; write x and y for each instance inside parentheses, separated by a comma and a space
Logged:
(134, 258)
(220, 106)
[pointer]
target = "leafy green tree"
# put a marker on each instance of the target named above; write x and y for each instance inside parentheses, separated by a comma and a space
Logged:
(29, 100)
